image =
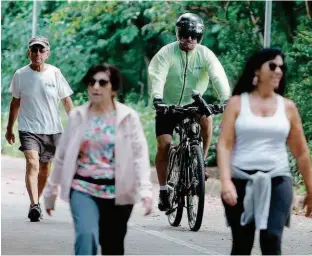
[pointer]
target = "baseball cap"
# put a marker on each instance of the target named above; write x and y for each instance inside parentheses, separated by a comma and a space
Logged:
(40, 40)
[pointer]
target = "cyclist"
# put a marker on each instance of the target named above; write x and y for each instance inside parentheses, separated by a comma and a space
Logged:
(174, 72)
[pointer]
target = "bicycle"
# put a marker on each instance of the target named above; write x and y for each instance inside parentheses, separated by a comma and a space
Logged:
(186, 164)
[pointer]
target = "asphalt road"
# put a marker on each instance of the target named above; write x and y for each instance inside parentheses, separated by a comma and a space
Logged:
(150, 235)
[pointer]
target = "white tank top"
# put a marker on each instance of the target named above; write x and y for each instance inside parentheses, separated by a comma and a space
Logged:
(260, 142)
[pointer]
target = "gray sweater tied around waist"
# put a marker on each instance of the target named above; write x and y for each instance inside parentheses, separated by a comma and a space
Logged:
(258, 195)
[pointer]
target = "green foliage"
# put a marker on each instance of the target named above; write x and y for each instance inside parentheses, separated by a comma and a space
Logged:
(212, 153)
(147, 116)
(300, 86)
(300, 83)
(6, 148)
(129, 33)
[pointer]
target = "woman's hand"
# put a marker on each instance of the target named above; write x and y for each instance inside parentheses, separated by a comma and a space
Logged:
(308, 203)
(49, 211)
(147, 204)
(228, 192)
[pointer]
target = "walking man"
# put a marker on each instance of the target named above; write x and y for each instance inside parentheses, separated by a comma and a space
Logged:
(37, 90)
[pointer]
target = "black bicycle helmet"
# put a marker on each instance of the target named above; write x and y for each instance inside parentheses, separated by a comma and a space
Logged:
(190, 25)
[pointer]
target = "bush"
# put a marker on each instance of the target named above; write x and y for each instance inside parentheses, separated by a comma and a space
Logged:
(298, 180)
(6, 148)
(212, 153)
(12, 150)
(147, 117)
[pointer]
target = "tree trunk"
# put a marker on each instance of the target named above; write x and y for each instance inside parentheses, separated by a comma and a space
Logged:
(254, 21)
(308, 5)
(147, 61)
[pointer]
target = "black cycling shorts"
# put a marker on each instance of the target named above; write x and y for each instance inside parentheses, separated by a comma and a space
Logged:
(165, 124)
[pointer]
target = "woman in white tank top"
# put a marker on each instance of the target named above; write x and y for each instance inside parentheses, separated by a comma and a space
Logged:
(256, 183)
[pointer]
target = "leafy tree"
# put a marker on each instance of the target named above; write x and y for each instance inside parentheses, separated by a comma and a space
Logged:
(129, 33)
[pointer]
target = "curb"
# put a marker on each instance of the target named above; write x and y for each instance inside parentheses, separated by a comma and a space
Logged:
(213, 189)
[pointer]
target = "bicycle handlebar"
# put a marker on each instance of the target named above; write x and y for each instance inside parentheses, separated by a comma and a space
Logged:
(198, 106)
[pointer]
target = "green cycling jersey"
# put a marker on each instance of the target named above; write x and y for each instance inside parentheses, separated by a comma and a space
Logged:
(173, 74)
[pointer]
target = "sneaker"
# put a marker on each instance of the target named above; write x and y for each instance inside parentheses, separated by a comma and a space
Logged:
(163, 203)
(41, 215)
(34, 213)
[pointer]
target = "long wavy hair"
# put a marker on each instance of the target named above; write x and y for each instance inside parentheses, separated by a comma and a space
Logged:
(254, 63)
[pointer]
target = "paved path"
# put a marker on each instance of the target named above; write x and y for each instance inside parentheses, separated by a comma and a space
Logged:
(146, 235)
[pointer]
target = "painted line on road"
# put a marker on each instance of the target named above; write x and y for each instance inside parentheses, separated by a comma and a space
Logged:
(177, 241)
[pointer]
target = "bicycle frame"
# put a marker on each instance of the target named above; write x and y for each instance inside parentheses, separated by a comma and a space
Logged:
(186, 163)
(189, 134)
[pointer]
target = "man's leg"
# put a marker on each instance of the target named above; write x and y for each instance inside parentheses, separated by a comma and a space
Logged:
(44, 171)
(48, 146)
(206, 133)
(31, 177)
(164, 129)
(161, 161)
(31, 147)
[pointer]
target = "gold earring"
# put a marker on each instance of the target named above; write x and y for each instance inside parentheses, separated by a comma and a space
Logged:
(255, 81)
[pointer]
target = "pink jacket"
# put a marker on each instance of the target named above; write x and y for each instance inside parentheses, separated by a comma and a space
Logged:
(132, 178)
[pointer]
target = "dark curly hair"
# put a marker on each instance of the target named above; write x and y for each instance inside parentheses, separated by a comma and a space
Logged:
(254, 63)
(114, 75)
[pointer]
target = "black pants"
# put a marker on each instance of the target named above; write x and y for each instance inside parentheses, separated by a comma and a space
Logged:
(270, 239)
(98, 221)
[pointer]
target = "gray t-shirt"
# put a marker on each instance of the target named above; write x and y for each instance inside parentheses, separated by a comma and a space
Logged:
(40, 94)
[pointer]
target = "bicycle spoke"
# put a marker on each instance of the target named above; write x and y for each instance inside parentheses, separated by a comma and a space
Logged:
(195, 196)
(175, 213)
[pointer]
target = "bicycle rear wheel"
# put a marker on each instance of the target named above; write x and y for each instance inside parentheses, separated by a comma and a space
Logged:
(176, 201)
(196, 193)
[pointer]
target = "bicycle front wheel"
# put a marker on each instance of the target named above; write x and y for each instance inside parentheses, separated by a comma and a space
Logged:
(196, 193)
(176, 205)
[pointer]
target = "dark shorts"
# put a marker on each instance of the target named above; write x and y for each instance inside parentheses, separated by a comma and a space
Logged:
(45, 144)
(165, 124)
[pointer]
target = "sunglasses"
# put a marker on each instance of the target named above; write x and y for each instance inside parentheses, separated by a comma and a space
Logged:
(35, 50)
(102, 82)
(193, 35)
(273, 67)
(185, 33)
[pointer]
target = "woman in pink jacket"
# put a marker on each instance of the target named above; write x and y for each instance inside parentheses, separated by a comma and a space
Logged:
(101, 165)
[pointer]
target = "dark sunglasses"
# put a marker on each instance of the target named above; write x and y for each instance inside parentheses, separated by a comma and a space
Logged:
(102, 82)
(186, 34)
(273, 67)
(35, 50)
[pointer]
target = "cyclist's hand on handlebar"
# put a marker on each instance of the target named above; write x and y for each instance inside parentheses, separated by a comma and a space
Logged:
(160, 107)
(157, 102)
